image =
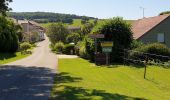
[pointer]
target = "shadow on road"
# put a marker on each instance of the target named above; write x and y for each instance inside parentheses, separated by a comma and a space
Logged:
(61, 91)
(25, 83)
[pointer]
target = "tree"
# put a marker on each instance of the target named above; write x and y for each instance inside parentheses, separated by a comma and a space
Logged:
(87, 28)
(4, 6)
(57, 32)
(118, 31)
(165, 12)
(8, 36)
(73, 37)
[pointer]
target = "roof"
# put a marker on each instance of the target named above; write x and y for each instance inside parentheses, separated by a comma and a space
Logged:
(142, 26)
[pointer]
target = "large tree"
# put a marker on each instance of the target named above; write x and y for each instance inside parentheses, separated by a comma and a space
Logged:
(8, 36)
(119, 32)
(57, 32)
(4, 6)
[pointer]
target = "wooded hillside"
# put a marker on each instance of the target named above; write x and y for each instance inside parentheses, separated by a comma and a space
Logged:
(45, 17)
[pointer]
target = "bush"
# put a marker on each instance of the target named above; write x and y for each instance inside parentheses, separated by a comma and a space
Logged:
(24, 47)
(136, 44)
(73, 38)
(119, 32)
(58, 47)
(155, 48)
(8, 36)
(69, 49)
(80, 50)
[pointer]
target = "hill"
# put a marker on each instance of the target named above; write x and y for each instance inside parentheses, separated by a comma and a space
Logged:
(45, 17)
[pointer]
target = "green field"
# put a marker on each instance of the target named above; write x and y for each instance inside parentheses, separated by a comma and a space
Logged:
(10, 57)
(80, 80)
(77, 22)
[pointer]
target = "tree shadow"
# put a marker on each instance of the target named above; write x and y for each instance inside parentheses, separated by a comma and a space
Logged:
(7, 55)
(80, 93)
(25, 83)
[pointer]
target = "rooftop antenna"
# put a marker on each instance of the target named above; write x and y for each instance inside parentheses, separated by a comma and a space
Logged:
(143, 9)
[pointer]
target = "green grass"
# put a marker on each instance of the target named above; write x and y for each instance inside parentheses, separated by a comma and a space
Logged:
(80, 80)
(10, 57)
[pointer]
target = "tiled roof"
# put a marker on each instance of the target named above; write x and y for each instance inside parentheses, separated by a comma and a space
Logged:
(142, 26)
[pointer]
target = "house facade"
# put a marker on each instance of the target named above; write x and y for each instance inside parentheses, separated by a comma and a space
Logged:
(152, 30)
(30, 27)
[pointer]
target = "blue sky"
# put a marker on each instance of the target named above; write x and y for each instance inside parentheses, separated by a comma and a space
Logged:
(129, 9)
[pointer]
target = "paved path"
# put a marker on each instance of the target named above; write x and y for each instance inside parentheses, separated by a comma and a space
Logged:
(30, 78)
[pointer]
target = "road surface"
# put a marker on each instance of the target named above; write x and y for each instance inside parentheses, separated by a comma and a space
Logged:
(30, 78)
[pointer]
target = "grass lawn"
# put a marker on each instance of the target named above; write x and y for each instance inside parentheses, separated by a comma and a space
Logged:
(80, 80)
(10, 57)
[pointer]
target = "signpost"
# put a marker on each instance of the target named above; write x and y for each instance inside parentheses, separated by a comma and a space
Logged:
(107, 48)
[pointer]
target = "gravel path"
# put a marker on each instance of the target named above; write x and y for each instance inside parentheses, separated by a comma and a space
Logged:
(30, 78)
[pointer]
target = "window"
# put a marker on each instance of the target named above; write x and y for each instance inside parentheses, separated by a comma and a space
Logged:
(161, 37)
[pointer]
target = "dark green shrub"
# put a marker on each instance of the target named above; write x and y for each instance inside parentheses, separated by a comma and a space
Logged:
(58, 47)
(8, 36)
(151, 50)
(136, 44)
(119, 32)
(69, 49)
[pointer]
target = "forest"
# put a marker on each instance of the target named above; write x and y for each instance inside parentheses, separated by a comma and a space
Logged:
(45, 17)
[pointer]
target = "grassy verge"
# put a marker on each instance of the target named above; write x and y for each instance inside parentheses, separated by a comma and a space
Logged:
(10, 57)
(80, 80)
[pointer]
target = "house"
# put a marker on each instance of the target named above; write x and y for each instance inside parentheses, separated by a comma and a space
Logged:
(153, 29)
(31, 26)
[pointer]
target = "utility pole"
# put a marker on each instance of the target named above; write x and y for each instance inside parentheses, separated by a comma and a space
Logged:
(143, 9)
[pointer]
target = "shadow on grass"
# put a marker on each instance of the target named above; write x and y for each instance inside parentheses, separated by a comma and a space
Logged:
(66, 92)
(7, 55)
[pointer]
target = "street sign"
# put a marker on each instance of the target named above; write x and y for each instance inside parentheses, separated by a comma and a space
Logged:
(107, 44)
(107, 49)
(96, 36)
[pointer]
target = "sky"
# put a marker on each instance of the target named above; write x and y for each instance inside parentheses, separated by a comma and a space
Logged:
(128, 9)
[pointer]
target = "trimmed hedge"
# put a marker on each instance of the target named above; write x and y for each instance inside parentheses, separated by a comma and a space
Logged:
(151, 50)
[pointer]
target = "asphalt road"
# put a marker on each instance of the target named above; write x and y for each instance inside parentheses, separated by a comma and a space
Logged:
(30, 78)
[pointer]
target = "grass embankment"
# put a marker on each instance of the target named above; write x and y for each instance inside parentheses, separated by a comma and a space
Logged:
(10, 57)
(80, 80)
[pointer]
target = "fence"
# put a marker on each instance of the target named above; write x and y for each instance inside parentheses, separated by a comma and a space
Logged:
(141, 58)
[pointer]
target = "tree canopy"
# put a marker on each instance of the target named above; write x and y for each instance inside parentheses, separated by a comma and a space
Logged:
(8, 36)
(57, 32)
(4, 6)
(165, 12)
(45, 17)
(118, 31)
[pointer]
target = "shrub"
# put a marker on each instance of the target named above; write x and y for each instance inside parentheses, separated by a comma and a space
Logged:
(24, 47)
(69, 49)
(119, 32)
(136, 44)
(80, 50)
(155, 48)
(58, 47)
(73, 38)
(8, 36)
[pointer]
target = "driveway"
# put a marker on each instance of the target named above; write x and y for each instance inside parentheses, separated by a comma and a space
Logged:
(30, 78)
